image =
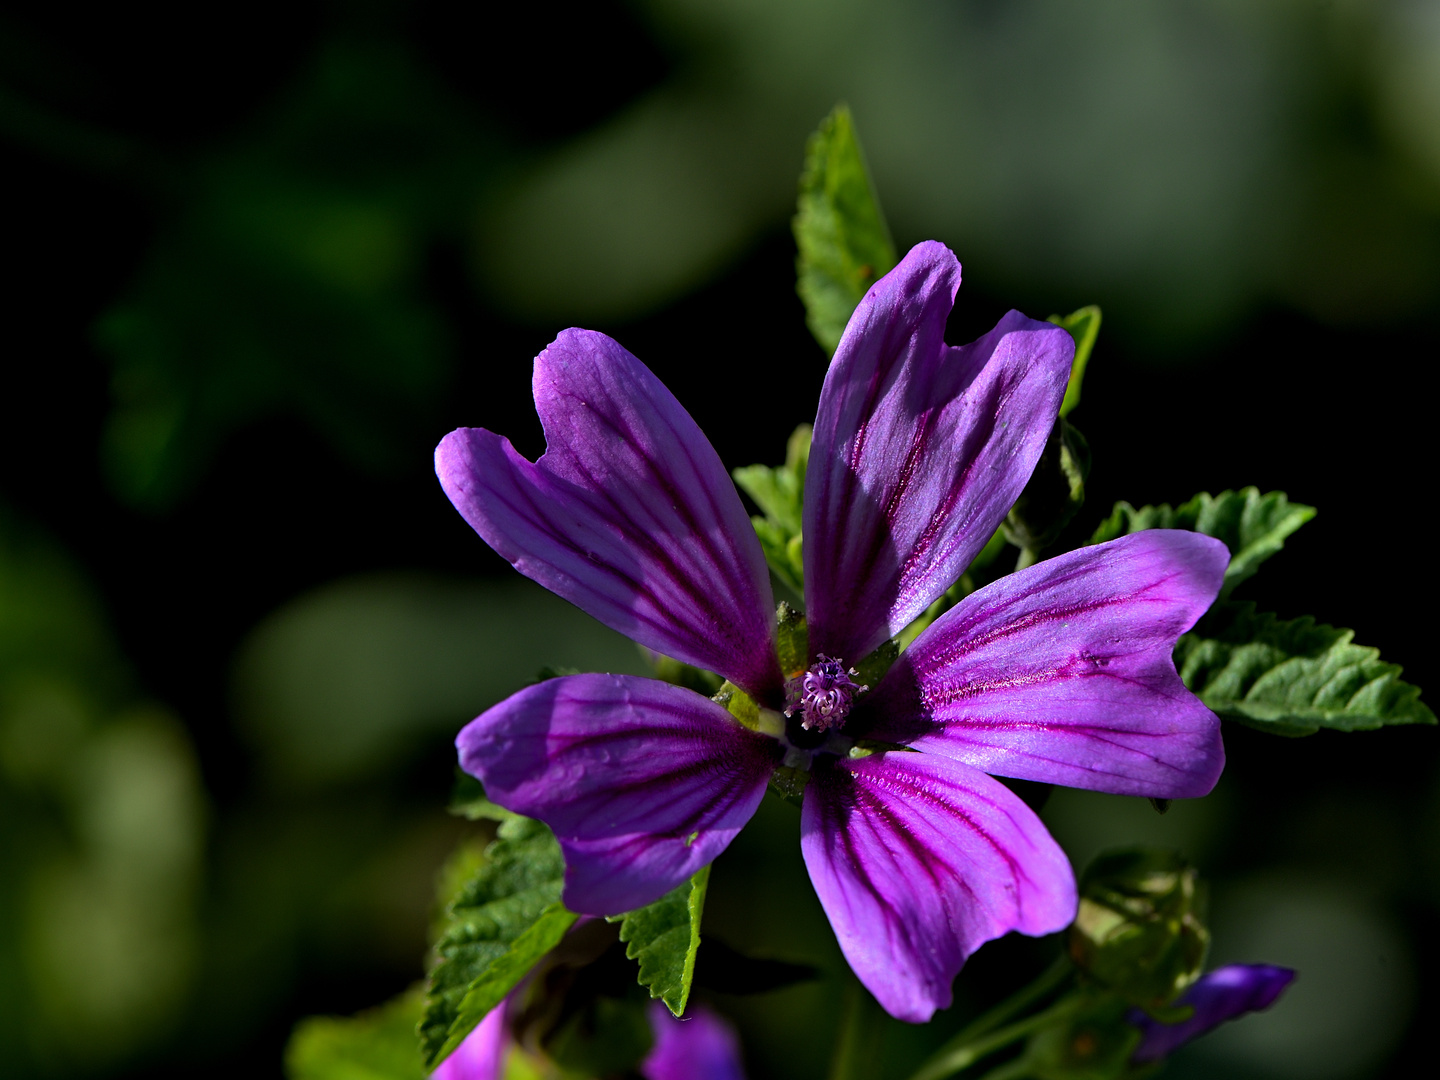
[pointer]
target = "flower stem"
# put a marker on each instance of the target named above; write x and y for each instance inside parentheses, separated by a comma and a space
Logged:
(979, 1039)
(1026, 558)
(857, 1049)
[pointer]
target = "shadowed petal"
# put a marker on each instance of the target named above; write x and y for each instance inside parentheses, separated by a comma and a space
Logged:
(918, 861)
(1063, 673)
(1224, 994)
(629, 514)
(700, 1047)
(920, 450)
(482, 1054)
(642, 782)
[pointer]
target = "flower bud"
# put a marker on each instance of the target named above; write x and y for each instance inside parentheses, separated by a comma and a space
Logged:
(1139, 931)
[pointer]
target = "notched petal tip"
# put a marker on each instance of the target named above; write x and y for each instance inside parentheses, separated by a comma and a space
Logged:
(1063, 672)
(920, 449)
(629, 514)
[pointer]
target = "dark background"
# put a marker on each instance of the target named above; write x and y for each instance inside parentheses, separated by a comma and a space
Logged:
(114, 127)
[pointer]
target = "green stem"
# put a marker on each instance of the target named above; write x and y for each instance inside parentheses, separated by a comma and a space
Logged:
(857, 1048)
(952, 1059)
(1045, 984)
(1026, 558)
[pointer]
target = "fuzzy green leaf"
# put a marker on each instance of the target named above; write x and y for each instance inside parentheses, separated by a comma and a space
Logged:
(1253, 526)
(378, 1044)
(664, 937)
(1293, 677)
(1084, 327)
(501, 923)
(844, 244)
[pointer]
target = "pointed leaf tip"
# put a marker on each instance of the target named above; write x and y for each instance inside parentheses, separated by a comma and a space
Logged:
(844, 243)
(664, 937)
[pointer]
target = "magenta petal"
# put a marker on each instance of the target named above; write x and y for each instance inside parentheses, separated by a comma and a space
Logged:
(1224, 994)
(1063, 672)
(629, 514)
(642, 782)
(482, 1054)
(920, 450)
(700, 1047)
(919, 861)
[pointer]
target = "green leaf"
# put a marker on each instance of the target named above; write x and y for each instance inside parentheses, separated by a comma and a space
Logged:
(1293, 677)
(378, 1044)
(1253, 526)
(844, 243)
(664, 937)
(1084, 327)
(779, 492)
(501, 923)
(793, 638)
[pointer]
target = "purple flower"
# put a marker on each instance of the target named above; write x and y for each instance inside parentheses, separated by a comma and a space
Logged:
(1061, 672)
(702, 1046)
(1222, 995)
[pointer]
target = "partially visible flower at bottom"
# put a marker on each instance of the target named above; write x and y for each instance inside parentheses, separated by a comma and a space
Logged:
(1224, 994)
(702, 1046)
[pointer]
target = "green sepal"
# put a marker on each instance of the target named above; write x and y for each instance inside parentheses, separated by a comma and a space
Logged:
(870, 670)
(1054, 493)
(1293, 677)
(738, 704)
(788, 783)
(679, 673)
(500, 924)
(378, 1044)
(843, 241)
(1253, 526)
(779, 492)
(1139, 930)
(664, 937)
(1084, 327)
(792, 641)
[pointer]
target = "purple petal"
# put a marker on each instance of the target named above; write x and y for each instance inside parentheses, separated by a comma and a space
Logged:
(1222, 995)
(642, 782)
(1063, 673)
(920, 450)
(629, 514)
(482, 1054)
(700, 1047)
(918, 861)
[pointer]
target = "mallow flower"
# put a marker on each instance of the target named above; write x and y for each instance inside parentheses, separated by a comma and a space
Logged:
(1224, 994)
(1059, 673)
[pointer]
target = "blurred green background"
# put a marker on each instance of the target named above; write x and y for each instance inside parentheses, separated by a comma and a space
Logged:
(259, 259)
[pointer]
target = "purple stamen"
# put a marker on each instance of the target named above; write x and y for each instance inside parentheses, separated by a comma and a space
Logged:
(823, 695)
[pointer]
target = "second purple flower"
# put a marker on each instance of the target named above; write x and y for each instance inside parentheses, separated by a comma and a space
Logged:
(1059, 673)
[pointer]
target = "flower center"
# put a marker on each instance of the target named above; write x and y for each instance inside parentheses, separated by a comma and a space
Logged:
(822, 695)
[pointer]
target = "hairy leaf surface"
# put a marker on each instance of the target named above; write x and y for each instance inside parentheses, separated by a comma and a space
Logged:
(1253, 526)
(501, 922)
(1293, 677)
